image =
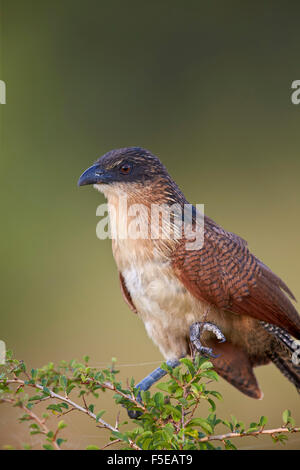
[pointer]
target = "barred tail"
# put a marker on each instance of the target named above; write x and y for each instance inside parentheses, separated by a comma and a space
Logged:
(285, 354)
(282, 360)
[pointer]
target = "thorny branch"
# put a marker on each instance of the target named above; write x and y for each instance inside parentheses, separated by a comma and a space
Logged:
(230, 435)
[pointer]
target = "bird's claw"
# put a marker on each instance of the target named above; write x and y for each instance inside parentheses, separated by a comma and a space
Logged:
(196, 330)
(134, 414)
(206, 351)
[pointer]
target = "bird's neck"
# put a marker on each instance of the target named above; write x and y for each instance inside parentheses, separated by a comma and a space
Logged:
(141, 227)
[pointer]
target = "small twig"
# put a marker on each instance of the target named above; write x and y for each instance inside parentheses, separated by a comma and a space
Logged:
(110, 386)
(111, 443)
(117, 420)
(193, 411)
(230, 435)
(66, 412)
(83, 399)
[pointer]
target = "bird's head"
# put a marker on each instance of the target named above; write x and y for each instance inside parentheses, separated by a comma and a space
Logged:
(128, 170)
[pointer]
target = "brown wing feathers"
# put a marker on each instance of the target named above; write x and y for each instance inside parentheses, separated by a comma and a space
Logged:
(227, 275)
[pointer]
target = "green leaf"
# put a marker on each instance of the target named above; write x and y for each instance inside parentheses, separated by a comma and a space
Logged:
(99, 376)
(206, 365)
(216, 394)
(286, 416)
(99, 415)
(54, 407)
(34, 426)
(92, 447)
(253, 428)
(70, 388)
(166, 367)
(91, 408)
(210, 374)
(229, 445)
(35, 397)
(203, 423)
(263, 421)
(188, 363)
(121, 436)
(234, 420)
(173, 411)
(212, 404)
(282, 438)
(163, 386)
(158, 399)
(59, 441)
(145, 395)
(61, 425)
(63, 381)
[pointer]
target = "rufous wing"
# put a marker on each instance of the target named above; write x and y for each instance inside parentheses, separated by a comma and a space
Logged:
(227, 275)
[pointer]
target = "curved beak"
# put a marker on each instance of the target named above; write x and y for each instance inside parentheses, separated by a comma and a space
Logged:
(93, 175)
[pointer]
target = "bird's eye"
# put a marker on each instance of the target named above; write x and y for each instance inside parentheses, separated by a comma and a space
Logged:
(125, 169)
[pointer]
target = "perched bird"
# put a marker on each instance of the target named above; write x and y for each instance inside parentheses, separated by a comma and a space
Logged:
(217, 299)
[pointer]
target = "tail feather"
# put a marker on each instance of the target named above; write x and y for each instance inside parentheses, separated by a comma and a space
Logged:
(282, 360)
(281, 335)
(233, 364)
(284, 354)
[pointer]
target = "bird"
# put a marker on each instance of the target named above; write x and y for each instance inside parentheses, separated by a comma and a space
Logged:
(216, 299)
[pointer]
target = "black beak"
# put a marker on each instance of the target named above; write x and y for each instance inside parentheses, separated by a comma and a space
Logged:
(94, 175)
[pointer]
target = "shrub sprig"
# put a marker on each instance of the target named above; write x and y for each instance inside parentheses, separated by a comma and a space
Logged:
(168, 418)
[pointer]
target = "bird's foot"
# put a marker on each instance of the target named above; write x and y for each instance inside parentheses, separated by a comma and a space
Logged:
(196, 330)
(147, 382)
(134, 414)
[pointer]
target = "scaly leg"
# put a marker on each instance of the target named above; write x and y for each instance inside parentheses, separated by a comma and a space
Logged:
(196, 330)
(148, 381)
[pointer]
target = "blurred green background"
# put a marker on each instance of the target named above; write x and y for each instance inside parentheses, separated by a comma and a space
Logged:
(204, 85)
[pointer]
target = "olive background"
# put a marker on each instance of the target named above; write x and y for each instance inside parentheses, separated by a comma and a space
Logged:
(206, 86)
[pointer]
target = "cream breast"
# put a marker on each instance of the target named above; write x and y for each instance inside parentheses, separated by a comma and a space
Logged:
(164, 305)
